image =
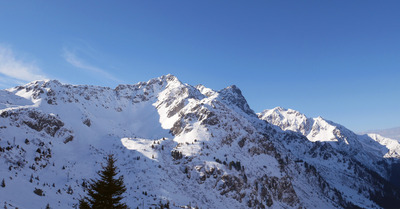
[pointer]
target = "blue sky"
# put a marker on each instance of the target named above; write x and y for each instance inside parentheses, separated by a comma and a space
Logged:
(337, 59)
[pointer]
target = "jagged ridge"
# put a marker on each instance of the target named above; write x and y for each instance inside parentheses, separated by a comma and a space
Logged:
(179, 143)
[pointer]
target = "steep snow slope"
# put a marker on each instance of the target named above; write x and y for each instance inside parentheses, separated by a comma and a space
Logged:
(191, 146)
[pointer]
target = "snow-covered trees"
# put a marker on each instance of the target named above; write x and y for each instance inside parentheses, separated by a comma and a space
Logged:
(107, 191)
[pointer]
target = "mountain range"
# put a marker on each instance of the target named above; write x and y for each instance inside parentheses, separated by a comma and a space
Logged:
(187, 145)
(393, 133)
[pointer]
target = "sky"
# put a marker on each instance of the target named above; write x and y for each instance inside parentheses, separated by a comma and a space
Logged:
(335, 59)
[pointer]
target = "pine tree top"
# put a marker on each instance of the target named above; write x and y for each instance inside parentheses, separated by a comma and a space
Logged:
(106, 192)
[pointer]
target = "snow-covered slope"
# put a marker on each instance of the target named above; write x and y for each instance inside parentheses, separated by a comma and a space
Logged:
(189, 145)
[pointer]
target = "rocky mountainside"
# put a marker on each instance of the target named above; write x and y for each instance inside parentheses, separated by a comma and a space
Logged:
(186, 145)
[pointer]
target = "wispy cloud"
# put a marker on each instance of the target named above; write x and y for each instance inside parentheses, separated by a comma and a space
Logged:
(16, 71)
(74, 60)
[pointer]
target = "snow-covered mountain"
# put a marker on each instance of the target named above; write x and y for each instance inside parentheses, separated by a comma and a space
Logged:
(376, 153)
(189, 145)
(321, 130)
(392, 133)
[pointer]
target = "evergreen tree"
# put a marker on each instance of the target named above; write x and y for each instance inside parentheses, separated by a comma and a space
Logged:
(83, 204)
(106, 192)
(3, 184)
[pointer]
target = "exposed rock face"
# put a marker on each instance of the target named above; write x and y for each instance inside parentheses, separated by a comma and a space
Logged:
(186, 145)
(233, 96)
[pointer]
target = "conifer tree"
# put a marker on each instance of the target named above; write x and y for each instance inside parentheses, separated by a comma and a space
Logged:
(83, 204)
(106, 192)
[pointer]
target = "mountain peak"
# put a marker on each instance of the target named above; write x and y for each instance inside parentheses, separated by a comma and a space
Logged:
(233, 95)
(169, 78)
(278, 109)
(234, 89)
(42, 83)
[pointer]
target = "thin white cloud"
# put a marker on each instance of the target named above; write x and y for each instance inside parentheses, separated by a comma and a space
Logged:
(16, 70)
(7, 82)
(71, 58)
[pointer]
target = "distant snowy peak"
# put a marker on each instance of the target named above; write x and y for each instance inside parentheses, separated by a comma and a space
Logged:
(392, 133)
(392, 145)
(319, 129)
(286, 119)
(315, 129)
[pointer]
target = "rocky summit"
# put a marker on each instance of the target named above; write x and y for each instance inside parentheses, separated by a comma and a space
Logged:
(189, 146)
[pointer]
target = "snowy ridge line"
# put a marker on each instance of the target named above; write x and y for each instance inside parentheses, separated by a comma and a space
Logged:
(186, 145)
